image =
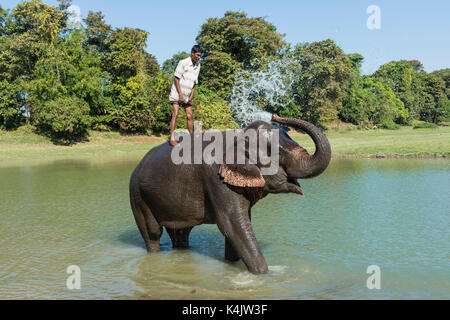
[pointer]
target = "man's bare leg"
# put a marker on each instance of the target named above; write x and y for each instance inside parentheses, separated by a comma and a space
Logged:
(190, 119)
(176, 107)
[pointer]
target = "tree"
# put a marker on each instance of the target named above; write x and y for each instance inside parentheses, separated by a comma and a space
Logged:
(352, 108)
(126, 56)
(211, 109)
(241, 41)
(171, 64)
(32, 29)
(244, 39)
(38, 18)
(66, 118)
(97, 32)
(3, 15)
(32, 32)
(151, 66)
(322, 80)
(369, 101)
(415, 64)
(356, 59)
(432, 88)
(11, 102)
(444, 74)
(401, 78)
(381, 106)
(69, 75)
(218, 72)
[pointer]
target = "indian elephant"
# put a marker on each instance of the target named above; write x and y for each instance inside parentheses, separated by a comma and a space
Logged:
(181, 196)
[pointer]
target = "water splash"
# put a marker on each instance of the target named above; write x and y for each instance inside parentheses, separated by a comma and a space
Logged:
(277, 269)
(271, 86)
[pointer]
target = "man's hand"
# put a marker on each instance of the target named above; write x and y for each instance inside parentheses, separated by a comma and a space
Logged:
(191, 96)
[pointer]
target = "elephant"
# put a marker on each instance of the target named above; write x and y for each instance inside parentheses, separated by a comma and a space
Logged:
(181, 196)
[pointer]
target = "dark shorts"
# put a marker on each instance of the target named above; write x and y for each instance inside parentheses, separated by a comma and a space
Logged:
(184, 105)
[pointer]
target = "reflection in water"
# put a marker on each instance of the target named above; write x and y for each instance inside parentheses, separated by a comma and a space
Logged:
(392, 213)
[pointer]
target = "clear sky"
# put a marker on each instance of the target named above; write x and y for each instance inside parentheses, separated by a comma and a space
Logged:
(409, 29)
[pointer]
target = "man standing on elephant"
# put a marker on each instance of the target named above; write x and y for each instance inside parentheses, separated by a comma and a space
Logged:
(183, 87)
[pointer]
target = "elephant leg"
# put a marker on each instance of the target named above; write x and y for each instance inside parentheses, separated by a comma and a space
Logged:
(230, 252)
(149, 228)
(238, 230)
(179, 237)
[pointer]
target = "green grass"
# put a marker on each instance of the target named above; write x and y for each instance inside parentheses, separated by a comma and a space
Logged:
(405, 140)
(25, 144)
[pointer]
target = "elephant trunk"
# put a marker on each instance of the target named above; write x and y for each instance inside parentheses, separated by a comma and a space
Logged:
(309, 166)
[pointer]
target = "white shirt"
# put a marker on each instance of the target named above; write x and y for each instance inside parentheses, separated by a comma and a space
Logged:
(188, 73)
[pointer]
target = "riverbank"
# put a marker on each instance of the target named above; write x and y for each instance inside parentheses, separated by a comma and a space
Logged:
(346, 142)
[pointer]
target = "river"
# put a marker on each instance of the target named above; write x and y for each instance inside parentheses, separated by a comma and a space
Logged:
(390, 213)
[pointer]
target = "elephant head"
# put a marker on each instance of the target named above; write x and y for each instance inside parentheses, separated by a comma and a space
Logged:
(294, 161)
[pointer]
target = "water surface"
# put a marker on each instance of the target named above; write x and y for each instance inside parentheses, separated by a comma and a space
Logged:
(390, 213)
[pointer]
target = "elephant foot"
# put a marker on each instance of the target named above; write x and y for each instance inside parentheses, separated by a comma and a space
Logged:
(152, 246)
(179, 237)
(258, 269)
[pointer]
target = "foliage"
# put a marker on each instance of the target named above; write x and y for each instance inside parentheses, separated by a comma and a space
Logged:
(369, 101)
(158, 89)
(406, 79)
(10, 105)
(212, 110)
(425, 125)
(209, 108)
(133, 114)
(126, 53)
(66, 118)
(97, 32)
(171, 64)
(434, 107)
(444, 74)
(322, 80)
(235, 41)
(65, 79)
(244, 39)
(218, 73)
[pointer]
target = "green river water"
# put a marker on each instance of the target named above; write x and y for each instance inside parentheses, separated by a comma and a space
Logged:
(389, 213)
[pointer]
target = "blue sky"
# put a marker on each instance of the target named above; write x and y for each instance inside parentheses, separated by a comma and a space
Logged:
(409, 29)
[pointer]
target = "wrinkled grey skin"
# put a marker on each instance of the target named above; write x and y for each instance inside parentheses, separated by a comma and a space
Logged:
(179, 197)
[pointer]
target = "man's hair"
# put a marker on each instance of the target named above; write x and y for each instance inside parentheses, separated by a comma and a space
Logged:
(196, 49)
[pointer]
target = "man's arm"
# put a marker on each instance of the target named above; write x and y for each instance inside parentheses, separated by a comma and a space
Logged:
(180, 94)
(191, 96)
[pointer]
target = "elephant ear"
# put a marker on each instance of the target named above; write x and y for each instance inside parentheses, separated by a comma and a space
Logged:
(242, 175)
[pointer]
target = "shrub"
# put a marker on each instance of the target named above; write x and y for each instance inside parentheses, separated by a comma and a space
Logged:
(10, 104)
(210, 109)
(390, 126)
(65, 118)
(425, 125)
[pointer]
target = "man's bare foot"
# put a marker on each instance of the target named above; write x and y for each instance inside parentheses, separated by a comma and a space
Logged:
(173, 143)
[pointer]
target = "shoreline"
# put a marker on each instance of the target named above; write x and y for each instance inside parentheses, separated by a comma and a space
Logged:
(406, 143)
(138, 153)
(390, 155)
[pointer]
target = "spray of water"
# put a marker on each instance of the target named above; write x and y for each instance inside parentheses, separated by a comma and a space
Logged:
(271, 86)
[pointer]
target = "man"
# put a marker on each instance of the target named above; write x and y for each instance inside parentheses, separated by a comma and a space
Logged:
(183, 87)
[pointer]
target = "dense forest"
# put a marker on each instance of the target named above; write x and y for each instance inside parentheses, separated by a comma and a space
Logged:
(64, 78)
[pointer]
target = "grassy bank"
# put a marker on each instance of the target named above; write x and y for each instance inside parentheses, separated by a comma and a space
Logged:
(345, 141)
(404, 142)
